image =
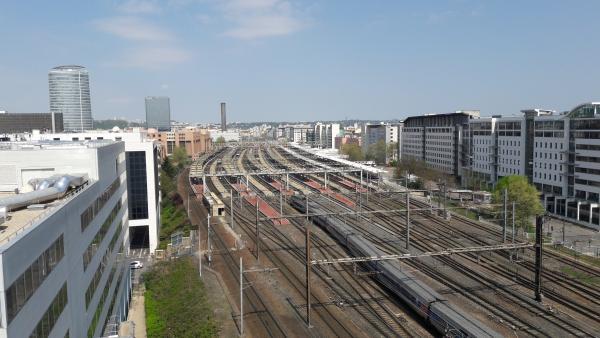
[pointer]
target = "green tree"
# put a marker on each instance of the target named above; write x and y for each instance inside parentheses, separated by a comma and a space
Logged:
(377, 152)
(180, 157)
(392, 151)
(168, 168)
(353, 151)
(525, 196)
(220, 140)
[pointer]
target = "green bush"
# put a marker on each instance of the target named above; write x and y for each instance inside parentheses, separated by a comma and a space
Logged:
(176, 303)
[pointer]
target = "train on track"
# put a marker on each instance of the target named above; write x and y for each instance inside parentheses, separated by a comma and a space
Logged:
(425, 301)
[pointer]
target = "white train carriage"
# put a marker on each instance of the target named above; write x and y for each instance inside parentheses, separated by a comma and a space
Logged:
(214, 204)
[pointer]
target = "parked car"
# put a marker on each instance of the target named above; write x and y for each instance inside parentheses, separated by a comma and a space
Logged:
(136, 265)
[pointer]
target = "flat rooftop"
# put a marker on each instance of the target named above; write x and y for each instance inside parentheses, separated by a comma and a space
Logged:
(21, 219)
(47, 145)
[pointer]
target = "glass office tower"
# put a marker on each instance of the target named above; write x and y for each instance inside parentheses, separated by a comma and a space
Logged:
(70, 95)
(158, 113)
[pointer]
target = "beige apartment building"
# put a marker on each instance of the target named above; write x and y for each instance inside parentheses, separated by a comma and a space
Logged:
(196, 141)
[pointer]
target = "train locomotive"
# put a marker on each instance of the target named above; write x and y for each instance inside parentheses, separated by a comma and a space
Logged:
(425, 301)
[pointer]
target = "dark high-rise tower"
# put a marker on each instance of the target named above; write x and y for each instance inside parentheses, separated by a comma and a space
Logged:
(158, 113)
(69, 88)
(223, 117)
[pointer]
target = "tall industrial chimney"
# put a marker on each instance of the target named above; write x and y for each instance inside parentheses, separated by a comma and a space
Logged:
(223, 117)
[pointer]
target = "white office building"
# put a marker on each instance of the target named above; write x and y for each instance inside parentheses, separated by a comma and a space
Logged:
(325, 135)
(386, 132)
(438, 140)
(298, 133)
(558, 153)
(142, 158)
(63, 242)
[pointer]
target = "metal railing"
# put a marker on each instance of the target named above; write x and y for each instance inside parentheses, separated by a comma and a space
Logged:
(69, 196)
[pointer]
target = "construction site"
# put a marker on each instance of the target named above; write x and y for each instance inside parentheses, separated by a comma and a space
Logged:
(308, 246)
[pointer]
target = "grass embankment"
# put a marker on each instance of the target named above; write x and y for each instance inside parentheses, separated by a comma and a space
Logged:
(581, 276)
(591, 260)
(175, 301)
(173, 216)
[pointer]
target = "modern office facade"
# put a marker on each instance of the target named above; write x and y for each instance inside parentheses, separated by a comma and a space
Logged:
(437, 139)
(142, 156)
(298, 133)
(158, 113)
(387, 132)
(69, 88)
(11, 123)
(558, 153)
(63, 249)
(325, 134)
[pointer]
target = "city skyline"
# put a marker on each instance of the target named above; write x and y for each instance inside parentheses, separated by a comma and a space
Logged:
(274, 60)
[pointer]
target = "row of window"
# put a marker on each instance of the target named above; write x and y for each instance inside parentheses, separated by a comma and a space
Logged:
(89, 293)
(100, 306)
(549, 125)
(587, 171)
(548, 189)
(512, 143)
(587, 146)
(89, 252)
(587, 182)
(510, 152)
(88, 215)
(554, 134)
(509, 161)
(547, 166)
(511, 171)
(98, 311)
(594, 135)
(587, 159)
(52, 314)
(551, 145)
(19, 292)
(438, 155)
(547, 155)
(547, 176)
(509, 133)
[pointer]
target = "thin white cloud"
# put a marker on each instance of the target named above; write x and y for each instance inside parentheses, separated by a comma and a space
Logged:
(133, 28)
(153, 57)
(139, 7)
(254, 19)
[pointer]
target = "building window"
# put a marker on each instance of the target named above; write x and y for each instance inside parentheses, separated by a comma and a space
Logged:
(53, 312)
(25, 285)
(137, 188)
(88, 254)
(88, 214)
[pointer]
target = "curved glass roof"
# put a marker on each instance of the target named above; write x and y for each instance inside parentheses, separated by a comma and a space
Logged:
(589, 109)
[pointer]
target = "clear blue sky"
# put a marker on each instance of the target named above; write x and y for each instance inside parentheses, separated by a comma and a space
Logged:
(305, 60)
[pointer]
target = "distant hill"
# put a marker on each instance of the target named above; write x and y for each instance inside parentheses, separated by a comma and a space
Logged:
(109, 124)
(244, 125)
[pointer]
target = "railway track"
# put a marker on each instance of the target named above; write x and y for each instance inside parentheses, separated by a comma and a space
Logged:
(472, 275)
(383, 320)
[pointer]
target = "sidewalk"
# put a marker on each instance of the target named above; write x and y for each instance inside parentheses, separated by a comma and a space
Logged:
(136, 320)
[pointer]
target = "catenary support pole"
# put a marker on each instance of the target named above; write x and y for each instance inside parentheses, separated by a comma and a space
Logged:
(513, 222)
(231, 206)
(539, 223)
(407, 219)
(208, 248)
(257, 232)
(241, 298)
(505, 221)
(445, 199)
(308, 267)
